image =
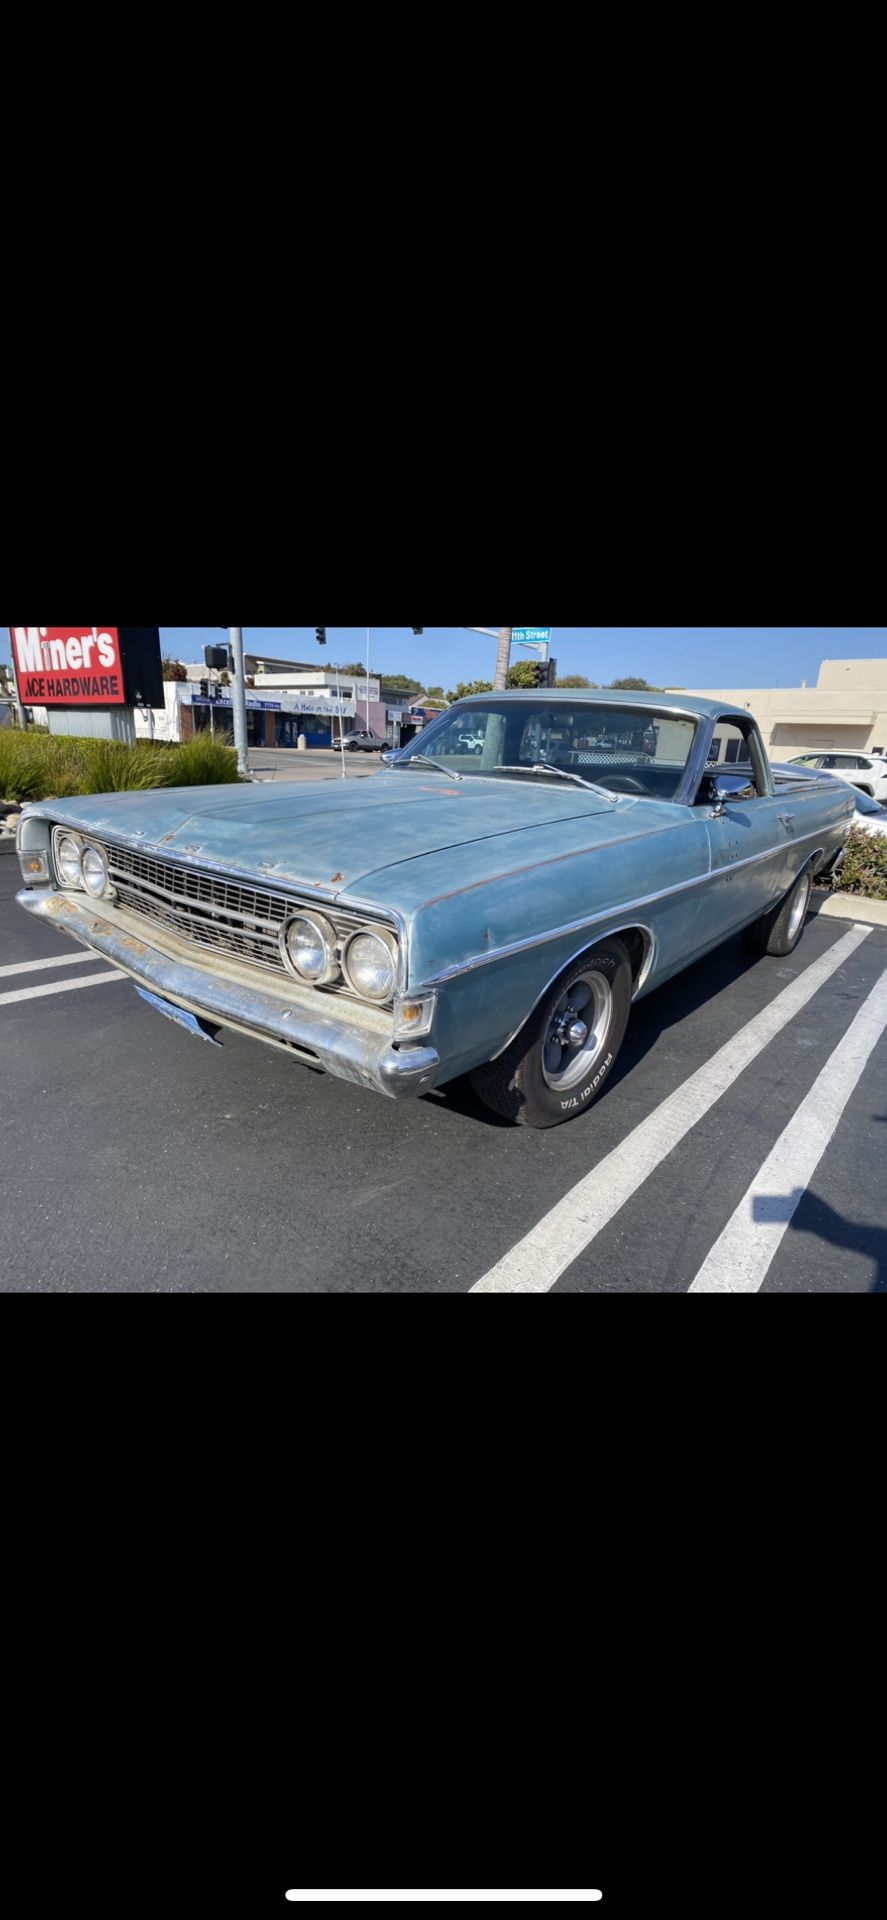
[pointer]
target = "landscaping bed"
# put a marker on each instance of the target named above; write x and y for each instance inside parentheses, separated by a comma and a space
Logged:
(864, 871)
(40, 766)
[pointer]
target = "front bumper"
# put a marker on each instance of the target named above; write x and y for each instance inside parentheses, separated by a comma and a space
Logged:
(316, 1037)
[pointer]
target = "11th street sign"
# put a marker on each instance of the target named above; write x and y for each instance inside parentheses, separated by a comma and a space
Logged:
(530, 634)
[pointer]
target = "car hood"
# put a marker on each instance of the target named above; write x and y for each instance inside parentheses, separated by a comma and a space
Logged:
(330, 834)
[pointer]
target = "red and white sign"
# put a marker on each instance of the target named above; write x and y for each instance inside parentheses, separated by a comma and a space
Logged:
(68, 666)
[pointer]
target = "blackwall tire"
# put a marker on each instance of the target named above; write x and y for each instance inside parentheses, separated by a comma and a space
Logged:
(779, 931)
(553, 1071)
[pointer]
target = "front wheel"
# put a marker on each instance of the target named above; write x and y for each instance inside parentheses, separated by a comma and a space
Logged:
(564, 1055)
(779, 931)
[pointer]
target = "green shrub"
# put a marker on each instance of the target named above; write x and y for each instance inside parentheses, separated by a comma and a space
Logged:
(202, 762)
(53, 766)
(865, 869)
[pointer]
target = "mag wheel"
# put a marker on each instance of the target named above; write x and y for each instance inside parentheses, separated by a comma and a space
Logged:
(564, 1055)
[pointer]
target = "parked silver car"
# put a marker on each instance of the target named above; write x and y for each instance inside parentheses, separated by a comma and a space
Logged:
(366, 741)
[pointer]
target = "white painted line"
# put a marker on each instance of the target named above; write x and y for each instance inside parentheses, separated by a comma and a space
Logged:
(536, 1262)
(741, 1256)
(400, 1893)
(43, 966)
(60, 986)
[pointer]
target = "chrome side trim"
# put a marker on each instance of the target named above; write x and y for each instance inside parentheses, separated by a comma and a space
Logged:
(631, 926)
(628, 908)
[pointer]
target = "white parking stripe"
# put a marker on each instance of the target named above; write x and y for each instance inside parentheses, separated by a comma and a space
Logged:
(43, 966)
(740, 1258)
(59, 986)
(536, 1262)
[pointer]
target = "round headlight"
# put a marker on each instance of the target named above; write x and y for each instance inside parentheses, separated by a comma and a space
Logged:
(67, 859)
(371, 965)
(94, 870)
(309, 946)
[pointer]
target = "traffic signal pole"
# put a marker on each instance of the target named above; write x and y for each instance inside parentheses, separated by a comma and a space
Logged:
(238, 702)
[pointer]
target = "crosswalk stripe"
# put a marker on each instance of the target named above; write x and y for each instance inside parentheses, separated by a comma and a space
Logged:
(742, 1255)
(534, 1264)
(43, 966)
(59, 986)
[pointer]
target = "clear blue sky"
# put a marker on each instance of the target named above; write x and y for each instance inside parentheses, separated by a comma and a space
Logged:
(667, 656)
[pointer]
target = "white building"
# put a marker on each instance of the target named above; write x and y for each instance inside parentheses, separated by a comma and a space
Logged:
(274, 717)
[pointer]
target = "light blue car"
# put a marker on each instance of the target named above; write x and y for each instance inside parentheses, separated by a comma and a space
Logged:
(488, 909)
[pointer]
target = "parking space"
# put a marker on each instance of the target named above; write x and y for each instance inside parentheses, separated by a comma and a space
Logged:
(740, 1146)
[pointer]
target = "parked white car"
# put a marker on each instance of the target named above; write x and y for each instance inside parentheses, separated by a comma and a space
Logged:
(867, 771)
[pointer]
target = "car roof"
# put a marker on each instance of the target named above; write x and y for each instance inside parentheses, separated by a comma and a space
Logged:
(678, 703)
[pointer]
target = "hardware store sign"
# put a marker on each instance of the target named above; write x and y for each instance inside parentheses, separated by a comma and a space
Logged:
(68, 666)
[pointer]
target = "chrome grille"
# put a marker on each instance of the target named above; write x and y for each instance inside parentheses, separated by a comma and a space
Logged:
(222, 916)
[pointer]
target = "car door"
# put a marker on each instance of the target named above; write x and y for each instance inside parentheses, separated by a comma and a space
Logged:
(755, 850)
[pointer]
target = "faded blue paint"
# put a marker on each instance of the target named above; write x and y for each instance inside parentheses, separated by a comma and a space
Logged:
(469, 868)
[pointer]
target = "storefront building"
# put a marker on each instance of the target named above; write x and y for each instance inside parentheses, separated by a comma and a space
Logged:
(272, 720)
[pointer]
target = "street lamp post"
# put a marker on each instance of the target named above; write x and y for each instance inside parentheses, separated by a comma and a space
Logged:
(238, 702)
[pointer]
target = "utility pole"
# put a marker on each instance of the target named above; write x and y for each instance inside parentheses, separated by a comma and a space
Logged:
(503, 658)
(238, 701)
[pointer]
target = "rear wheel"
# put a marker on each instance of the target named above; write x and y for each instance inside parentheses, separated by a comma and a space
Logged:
(564, 1055)
(779, 931)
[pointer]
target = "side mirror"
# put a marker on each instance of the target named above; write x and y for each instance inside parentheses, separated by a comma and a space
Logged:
(723, 787)
(386, 758)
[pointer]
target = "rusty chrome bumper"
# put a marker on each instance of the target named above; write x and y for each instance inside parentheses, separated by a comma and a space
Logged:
(318, 1037)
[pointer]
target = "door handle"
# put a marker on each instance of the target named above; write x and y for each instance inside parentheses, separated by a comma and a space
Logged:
(787, 819)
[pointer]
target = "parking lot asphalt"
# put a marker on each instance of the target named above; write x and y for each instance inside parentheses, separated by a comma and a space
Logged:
(736, 1148)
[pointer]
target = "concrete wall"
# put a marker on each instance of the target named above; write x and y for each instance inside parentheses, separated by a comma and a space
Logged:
(847, 708)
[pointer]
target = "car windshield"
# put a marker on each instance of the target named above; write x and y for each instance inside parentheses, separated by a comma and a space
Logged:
(626, 749)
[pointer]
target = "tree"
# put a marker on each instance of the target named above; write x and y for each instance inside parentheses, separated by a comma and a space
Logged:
(522, 674)
(631, 684)
(436, 693)
(575, 680)
(401, 683)
(462, 691)
(173, 670)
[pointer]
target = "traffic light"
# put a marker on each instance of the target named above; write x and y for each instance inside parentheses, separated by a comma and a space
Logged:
(216, 656)
(204, 688)
(552, 672)
(540, 671)
(320, 636)
(417, 629)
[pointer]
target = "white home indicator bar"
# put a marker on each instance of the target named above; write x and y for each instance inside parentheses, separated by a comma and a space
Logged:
(485, 1893)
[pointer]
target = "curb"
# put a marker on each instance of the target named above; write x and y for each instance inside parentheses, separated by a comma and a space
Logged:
(852, 906)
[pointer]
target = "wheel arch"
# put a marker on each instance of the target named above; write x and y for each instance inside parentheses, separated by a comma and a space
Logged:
(640, 944)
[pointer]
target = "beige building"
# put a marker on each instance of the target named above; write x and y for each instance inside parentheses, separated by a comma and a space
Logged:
(847, 708)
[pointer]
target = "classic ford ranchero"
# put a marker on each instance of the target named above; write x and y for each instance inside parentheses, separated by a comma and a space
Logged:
(489, 903)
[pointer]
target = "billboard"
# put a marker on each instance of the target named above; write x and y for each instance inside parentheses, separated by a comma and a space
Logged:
(87, 666)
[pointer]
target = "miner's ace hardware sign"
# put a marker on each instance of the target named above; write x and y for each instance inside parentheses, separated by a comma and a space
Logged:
(87, 666)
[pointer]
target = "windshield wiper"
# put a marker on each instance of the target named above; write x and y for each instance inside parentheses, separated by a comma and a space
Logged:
(426, 757)
(563, 773)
